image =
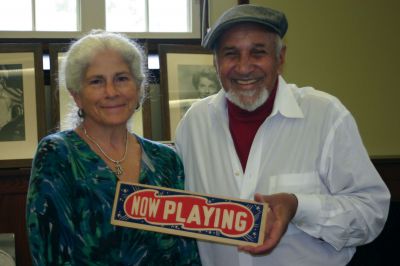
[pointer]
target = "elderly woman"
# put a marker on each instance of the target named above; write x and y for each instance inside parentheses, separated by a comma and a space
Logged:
(75, 172)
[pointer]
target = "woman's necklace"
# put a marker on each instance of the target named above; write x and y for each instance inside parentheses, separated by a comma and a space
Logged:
(118, 168)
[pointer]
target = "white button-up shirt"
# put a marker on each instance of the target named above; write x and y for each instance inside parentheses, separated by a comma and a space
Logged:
(309, 146)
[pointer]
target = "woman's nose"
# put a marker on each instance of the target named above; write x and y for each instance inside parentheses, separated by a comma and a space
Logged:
(111, 89)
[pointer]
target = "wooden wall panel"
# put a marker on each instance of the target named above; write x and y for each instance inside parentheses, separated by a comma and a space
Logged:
(13, 188)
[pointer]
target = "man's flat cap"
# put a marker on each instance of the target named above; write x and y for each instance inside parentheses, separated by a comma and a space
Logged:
(272, 19)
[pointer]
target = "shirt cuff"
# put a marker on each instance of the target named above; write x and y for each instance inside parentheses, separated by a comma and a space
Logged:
(308, 209)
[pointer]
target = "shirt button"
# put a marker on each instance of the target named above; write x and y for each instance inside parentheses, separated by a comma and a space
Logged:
(237, 173)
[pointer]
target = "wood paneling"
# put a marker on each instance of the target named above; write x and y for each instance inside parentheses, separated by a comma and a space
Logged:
(13, 188)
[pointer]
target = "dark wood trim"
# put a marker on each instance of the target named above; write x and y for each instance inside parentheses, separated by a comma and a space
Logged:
(152, 44)
(13, 189)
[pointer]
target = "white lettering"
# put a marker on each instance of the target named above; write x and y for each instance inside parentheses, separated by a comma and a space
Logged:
(194, 215)
(135, 205)
(154, 203)
(143, 206)
(207, 214)
(216, 219)
(178, 213)
(169, 208)
(227, 219)
(240, 224)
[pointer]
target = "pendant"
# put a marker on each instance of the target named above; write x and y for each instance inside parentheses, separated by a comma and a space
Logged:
(118, 169)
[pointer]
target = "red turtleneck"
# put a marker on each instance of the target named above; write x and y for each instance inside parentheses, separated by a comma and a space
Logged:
(243, 125)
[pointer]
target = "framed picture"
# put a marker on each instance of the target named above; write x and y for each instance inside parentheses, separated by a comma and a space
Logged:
(62, 101)
(187, 74)
(22, 103)
(59, 98)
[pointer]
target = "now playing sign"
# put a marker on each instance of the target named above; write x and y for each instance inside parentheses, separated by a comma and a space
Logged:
(178, 212)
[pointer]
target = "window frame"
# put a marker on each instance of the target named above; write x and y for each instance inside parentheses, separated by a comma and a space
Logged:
(92, 16)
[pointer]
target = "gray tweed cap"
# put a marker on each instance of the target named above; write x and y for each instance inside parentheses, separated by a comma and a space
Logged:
(270, 18)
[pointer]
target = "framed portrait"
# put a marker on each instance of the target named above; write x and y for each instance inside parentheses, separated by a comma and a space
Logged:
(187, 74)
(62, 102)
(22, 103)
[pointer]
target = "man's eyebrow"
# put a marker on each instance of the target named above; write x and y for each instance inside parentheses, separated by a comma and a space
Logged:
(260, 45)
(228, 48)
(256, 45)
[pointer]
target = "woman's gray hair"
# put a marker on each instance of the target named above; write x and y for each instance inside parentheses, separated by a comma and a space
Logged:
(82, 51)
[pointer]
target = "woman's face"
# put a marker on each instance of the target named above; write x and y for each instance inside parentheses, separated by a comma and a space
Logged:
(109, 93)
(206, 87)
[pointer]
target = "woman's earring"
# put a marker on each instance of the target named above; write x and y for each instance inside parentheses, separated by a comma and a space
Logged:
(81, 113)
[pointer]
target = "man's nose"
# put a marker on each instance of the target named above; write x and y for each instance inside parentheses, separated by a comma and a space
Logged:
(244, 64)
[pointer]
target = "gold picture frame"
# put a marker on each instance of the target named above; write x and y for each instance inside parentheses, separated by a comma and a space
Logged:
(179, 64)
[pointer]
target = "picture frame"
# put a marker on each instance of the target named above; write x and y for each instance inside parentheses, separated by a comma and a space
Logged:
(56, 51)
(61, 100)
(180, 67)
(22, 103)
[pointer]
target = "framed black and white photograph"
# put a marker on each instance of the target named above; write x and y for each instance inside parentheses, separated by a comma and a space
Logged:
(22, 103)
(62, 101)
(187, 74)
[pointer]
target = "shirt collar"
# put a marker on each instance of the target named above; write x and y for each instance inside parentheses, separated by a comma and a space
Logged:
(285, 102)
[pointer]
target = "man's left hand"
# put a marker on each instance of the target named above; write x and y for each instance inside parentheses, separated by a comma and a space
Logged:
(282, 208)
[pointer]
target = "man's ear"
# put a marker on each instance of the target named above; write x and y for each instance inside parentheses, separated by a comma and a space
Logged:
(282, 59)
(217, 69)
(215, 64)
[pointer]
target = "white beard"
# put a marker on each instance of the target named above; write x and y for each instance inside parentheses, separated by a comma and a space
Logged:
(235, 99)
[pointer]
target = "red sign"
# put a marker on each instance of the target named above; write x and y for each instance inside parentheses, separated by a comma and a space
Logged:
(178, 212)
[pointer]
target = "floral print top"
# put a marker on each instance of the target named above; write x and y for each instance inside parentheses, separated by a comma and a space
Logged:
(69, 206)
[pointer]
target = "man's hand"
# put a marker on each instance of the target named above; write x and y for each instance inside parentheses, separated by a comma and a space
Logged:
(282, 208)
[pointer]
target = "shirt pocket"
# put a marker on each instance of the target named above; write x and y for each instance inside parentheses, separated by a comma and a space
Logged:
(305, 183)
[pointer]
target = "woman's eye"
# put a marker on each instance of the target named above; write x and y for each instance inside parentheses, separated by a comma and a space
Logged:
(122, 78)
(95, 82)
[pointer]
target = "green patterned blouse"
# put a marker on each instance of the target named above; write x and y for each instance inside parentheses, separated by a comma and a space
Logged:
(70, 201)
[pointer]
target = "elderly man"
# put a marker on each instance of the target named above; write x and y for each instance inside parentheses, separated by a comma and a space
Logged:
(298, 149)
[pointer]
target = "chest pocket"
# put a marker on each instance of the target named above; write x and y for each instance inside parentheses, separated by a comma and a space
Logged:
(306, 183)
